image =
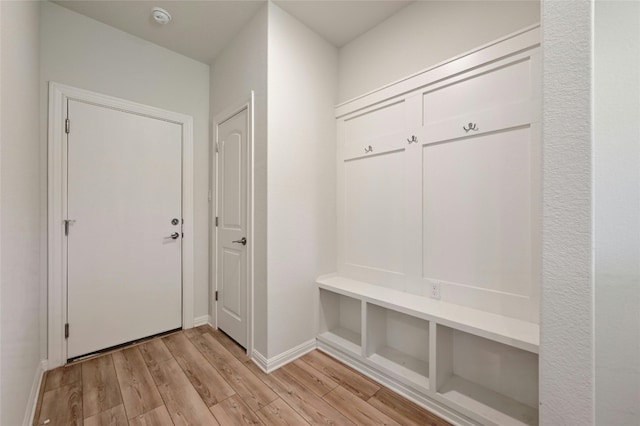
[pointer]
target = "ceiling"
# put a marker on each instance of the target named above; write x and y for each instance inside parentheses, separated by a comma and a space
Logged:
(339, 22)
(201, 29)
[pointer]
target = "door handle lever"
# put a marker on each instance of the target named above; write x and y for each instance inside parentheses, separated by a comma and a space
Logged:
(242, 241)
(174, 236)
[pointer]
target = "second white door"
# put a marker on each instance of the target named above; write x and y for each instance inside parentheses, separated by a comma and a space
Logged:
(232, 138)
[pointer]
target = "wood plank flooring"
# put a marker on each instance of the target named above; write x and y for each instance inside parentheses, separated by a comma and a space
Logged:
(201, 377)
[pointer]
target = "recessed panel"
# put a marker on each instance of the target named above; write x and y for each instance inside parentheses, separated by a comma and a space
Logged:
(498, 87)
(478, 225)
(231, 280)
(232, 175)
(374, 212)
(382, 121)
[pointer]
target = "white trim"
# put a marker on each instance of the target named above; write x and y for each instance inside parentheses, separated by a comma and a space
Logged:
(32, 402)
(260, 360)
(58, 96)
(529, 36)
(435, 407)
(203, 320)
(269, 365)
(248, 104)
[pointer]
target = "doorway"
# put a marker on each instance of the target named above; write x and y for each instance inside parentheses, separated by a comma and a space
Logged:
(120, 222)
(233, 243)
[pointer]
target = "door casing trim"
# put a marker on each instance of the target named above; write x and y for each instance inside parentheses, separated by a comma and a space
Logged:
(59, 94)
(235, 108)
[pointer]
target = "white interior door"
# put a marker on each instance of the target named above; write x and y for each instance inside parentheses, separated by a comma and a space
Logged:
(124, 190)
(232, 138)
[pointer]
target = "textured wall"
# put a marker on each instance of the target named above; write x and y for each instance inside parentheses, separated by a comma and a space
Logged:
(567, 341)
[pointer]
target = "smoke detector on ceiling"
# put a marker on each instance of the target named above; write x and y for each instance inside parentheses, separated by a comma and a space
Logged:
(160, 15)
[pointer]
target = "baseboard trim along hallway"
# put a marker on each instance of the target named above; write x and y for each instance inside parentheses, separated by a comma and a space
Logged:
(269, 365)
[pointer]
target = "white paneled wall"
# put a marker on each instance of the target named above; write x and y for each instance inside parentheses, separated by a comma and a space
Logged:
(458, 206)
(439, 229)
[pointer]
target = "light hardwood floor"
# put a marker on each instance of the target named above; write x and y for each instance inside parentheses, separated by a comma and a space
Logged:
(201, 377)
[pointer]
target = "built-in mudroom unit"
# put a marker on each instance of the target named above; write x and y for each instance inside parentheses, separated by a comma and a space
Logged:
(437, 288)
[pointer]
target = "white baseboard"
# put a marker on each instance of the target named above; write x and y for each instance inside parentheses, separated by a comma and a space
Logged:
(30, 411)
(269, 365)
(260, 360)
(203, 320)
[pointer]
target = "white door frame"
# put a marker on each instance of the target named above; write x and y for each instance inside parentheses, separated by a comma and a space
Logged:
(219, 118)
(59, 94)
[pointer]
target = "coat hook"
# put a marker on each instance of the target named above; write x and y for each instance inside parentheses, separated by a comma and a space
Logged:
(472, 126)
(368, 149)
(413, 139)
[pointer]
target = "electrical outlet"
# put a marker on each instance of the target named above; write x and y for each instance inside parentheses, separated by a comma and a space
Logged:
(435, 290)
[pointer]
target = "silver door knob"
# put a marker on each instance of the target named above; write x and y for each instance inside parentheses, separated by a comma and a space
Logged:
(175, 235)
(242, 241)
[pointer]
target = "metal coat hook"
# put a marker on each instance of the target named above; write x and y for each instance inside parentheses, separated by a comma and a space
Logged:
(368, 149)
(413, 139)
(472, 126)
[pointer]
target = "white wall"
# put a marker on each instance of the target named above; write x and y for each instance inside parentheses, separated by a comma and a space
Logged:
(240, 68)
(424, 34)
(20, 210)
(301, 176)
(81, 52)
(616, 156)
(567, 341)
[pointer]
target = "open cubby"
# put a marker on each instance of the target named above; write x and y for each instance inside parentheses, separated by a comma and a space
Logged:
(490, 381)
(399, 344)
(341, 321)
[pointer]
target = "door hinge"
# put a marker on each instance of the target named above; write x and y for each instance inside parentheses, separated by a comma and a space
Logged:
(216, 295)
(210, 196)
(217, 147)
(216, 221)
(67, 125)
(67, 222)
(66, 331)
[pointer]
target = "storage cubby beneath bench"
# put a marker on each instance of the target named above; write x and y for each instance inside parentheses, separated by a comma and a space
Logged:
(398, 344)
(341, 321)
(489, 381)
(440, 355)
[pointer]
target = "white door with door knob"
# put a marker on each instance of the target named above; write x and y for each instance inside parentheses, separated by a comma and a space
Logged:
(124, 223)
(232, 135)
